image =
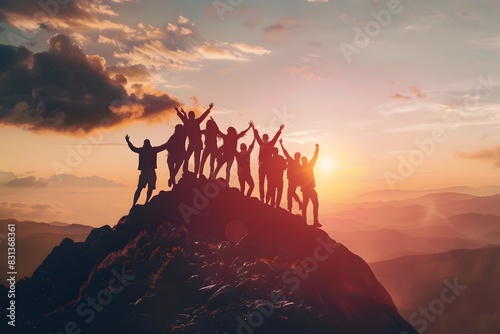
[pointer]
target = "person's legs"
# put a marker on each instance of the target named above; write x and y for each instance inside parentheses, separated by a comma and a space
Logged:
(279, 192)
(271, 193)
(136, 196)
(251, 185)
(171, 169)
(294, 194)
(262, 176)
(204, 157)
(228, 168)
(315, 203)
(151, 175)
(140, 185)
(305, 202)
(197, 155)
(189, 152)
(148, 197)
(213, 156)
(220, 162)
(241, 180)
(179, 159)
(289, 197)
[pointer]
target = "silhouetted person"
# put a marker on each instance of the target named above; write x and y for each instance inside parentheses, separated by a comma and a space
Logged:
(147, 166)
(265, 154)
(176, 147)
(193, 133)
(293, 176)
(244, 174)
(276, 168)
(308, 186)
(211, 133)
(228, 149)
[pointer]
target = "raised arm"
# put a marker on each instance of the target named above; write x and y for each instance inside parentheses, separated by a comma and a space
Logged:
(285, 151)
(250, 148)
(205, 114)
(162, 147)
(242, 133)
(257, 136)
(277, 135)
(181, 114)
(130, 145)
(315, 157)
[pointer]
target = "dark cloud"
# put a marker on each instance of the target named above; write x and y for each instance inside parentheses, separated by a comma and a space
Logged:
(27, 182)
(491, 155)
(64, 90)
(6, 177)
(42, 11)
(58, 15)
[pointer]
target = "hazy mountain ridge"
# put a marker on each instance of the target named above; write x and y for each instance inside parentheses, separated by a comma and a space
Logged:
(10, 180)
(35, 240)
(415, 281)
(430, 223)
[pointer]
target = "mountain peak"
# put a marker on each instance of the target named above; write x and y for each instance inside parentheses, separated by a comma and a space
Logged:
(203, 258)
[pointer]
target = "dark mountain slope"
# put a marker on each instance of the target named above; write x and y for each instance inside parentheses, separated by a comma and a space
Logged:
(205, 259)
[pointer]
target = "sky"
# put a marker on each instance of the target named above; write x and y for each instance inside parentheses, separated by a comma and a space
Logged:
(398, 94)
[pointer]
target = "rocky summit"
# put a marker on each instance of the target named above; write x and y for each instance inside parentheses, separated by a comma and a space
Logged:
(203, 258)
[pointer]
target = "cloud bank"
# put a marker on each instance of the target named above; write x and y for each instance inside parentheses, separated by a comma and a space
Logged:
(64, 90)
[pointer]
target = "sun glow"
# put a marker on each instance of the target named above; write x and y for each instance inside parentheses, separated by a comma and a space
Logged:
(326, 164)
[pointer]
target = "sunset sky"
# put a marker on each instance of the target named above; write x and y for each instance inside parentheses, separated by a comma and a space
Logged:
(405, 91)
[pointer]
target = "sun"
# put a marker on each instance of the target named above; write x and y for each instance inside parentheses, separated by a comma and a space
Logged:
(326, 164)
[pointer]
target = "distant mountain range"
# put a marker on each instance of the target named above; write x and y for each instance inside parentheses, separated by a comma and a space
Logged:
(35, 241)
(431, 223)
(10, 180)
(419, 282)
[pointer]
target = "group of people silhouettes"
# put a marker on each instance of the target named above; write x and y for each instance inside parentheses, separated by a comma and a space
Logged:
(272, 165)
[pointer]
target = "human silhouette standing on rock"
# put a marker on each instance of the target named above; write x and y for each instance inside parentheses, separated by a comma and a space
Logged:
(277, 166)
(308, 186)
(193, 133)
(211, 133)
(147, 166)
(265, 154)
(244, 174)
(229, 149)
(176, 147)
(293, 176)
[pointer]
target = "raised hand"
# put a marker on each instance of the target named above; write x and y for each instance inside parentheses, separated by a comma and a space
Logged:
(251, 123)
(127, 137)
(317, 145)
(282, 126)
(211, 105)
(281, 141)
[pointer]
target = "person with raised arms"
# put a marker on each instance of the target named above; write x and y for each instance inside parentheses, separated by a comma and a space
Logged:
(244, 174)
(293, 177)
(229, 148)
(147, 166)
(193, 132)
(265, 154)
(308, 186)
